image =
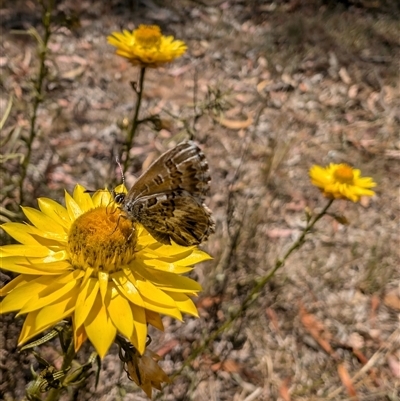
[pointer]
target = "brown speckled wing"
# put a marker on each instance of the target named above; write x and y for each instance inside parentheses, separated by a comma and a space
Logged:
(168, 198)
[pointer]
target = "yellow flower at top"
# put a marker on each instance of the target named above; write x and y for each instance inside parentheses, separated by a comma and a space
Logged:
(88, 263)
(146, 46)
(340, 181)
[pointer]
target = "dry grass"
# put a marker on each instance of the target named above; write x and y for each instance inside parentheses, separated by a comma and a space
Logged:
(320, 84)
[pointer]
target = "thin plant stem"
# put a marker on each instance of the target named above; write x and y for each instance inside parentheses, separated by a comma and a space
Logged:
(38, 93)
(135, 120)
(256, 291)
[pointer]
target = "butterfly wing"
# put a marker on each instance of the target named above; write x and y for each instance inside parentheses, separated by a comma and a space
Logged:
(176, 216)
(168, 198)
(183, 168)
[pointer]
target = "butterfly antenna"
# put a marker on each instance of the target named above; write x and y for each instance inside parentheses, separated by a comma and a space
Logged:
(196, 113)
(120, 169)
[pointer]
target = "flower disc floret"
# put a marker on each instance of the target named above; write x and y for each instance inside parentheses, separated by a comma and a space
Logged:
(340, 181)
(101, 240)
(88, 263)
(146, 46)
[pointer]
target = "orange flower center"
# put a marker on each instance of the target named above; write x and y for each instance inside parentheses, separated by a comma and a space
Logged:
(148, 36)
(101, 239)
(344, 174)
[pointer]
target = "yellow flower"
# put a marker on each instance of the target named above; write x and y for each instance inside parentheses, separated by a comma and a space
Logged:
(146, 46)
(341, 181)
(86, 262)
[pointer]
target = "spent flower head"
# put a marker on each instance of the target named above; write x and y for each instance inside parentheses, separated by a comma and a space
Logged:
(340, 181)
(146, 46)
(88, 263)
(142, 369)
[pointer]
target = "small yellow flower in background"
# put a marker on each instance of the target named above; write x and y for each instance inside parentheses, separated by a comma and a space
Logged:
(146, 46)
(340, 181)
(86, 262)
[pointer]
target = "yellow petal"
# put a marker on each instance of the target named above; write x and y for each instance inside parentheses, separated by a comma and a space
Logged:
(42, 222)
(57, 267)
(121, 188)
(99, 327)
(53, 292)
(184, 303)
(49, 268)
(24, 290)
(84, 303)
(145, 240)
(83, 199)
(17, 282)
(103, 281)
(139, 336)
(102, 198)
(173, 251)
(24, 250)
(23, 265)
(167, 266)
(120, 311)
(125, 285)
(154, 319)
(173, 282)
(29, 328)
(138, 268)
(150, 291)
(74, 211)
(56, 257)
(79, 337)
(21, 233)
(47, 317)
(151, 305)
(54, 313)
(89, 273)
(55, 211)
(195, 257)
(29, 235)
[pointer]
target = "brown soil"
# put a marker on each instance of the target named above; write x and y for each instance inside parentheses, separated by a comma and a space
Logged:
(297, 83)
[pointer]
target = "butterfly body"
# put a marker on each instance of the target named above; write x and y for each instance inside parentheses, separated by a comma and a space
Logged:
(168, 198)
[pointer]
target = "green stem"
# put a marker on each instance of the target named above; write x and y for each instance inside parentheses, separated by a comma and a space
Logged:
(38, 94)
(135, 121)
(256, 292)
(54, 393)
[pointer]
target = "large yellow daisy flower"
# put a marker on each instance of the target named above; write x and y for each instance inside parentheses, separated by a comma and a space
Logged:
(340, 181)
(88, 263)
(146, 46)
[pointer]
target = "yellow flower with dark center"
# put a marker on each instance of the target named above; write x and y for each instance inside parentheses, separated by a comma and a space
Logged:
(340, 181)
(87, 262)
(146, 46)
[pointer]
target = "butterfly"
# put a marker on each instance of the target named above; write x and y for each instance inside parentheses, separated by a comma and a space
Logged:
(168, 198)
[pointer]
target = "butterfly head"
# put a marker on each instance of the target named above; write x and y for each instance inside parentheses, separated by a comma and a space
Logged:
(119, 197)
